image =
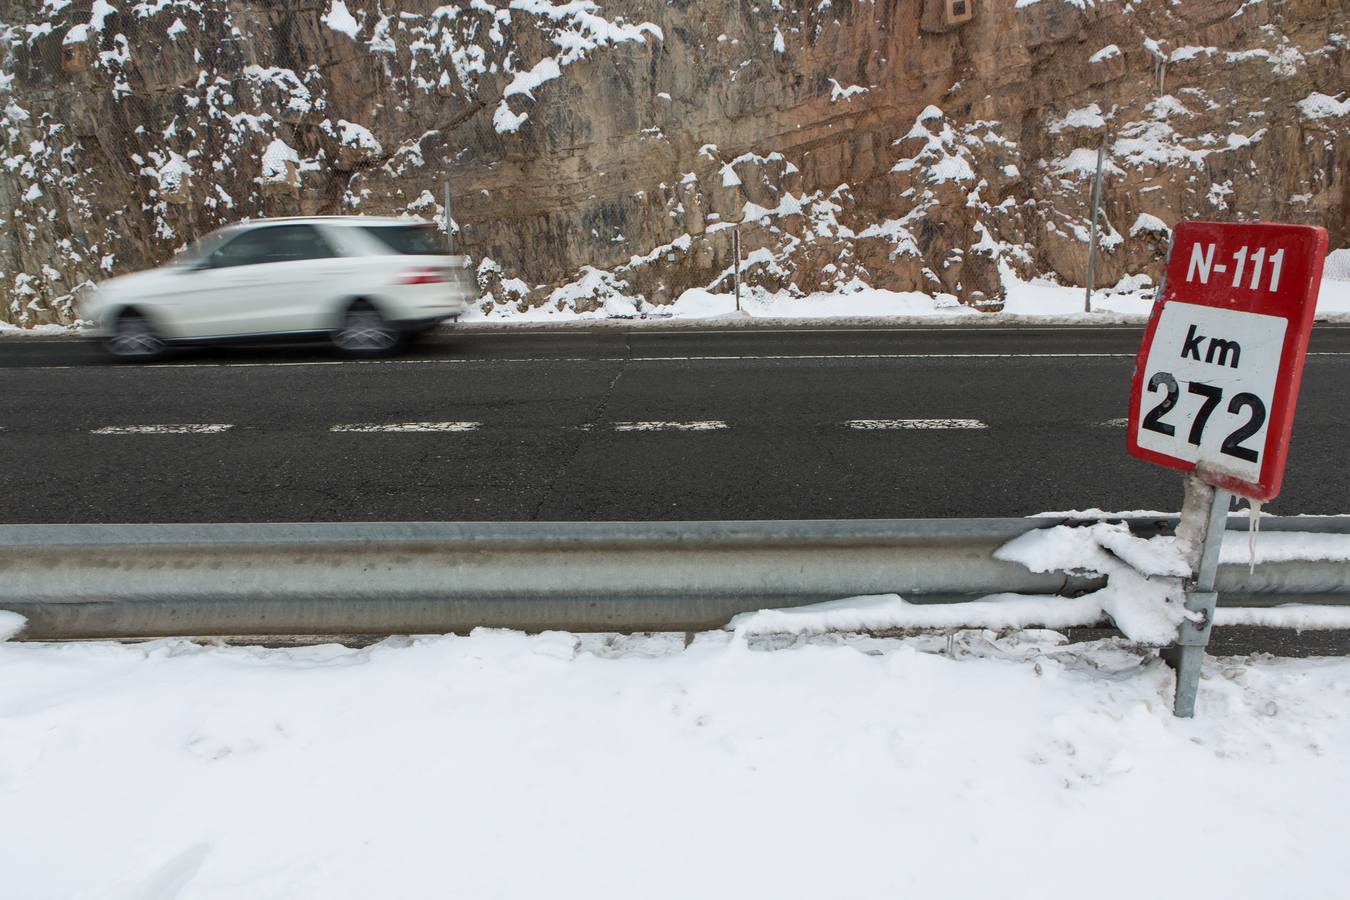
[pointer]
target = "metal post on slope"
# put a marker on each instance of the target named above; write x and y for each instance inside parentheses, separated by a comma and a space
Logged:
(1204, 515)
(1162, 279)
(1092, 238)
(736, 265)
(449, 238)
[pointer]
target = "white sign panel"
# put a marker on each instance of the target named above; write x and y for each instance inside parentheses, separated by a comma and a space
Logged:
(1208, 386)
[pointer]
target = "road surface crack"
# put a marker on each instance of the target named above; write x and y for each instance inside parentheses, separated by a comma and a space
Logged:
(583, 434)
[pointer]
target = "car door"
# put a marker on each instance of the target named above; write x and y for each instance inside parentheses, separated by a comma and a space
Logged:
(263, 282)
(307, 274)
(231, 292)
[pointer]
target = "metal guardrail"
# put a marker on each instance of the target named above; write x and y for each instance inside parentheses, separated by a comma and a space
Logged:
(135, 581)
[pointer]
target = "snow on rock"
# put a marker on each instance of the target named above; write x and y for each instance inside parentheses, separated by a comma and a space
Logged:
(171, 769)
(286, 82)
(275, 159)
(1320, 106)
(1089, 116)
(579, 30)
(1147, 224)
(1184, 54)
(1110, 51)
(505, 121)
(99, 11)
(353, 135)
(1082, 163)
(526, 82)
(597, 289)
(340, 19)
(840, 92)
(173, 173)
(941, 154)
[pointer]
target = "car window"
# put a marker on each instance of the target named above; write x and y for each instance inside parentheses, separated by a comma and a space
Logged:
(279, 243)
(197, 253)
(409, 240)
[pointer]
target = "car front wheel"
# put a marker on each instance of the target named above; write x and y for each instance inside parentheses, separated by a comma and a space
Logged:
(364, 332)
(134, 338)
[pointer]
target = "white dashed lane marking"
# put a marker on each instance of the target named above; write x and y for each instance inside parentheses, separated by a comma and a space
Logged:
(407, 427)
(912, 424)
(947, 424)
(162, 429)
(710, 425)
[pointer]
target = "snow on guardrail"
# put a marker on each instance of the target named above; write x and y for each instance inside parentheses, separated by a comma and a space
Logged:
(11, 623)
(1143, 595)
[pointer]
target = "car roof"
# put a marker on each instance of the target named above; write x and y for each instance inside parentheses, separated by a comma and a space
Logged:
(362, 221)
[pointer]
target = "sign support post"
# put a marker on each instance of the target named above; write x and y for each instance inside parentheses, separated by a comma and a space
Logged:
(1204, 513)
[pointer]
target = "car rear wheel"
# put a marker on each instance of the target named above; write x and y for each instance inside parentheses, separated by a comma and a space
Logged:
(364, 332)
(134, 338)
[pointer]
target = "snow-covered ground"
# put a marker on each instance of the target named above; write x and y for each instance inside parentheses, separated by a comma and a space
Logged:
(1038, 301)
(8, 330)
(506, 765)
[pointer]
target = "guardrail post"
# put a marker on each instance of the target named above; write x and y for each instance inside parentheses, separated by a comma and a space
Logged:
(1204, 514)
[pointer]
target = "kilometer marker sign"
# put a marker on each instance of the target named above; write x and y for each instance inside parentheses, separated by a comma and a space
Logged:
(1218, 372)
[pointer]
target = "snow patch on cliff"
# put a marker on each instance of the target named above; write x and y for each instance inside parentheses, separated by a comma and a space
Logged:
(1320, 106)
(340, 19)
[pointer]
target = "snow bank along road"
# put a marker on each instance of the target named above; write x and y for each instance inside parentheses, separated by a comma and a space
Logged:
(1009, 768)
(615, 424)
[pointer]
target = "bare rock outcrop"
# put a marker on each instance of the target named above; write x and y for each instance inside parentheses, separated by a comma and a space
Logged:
(600, 153)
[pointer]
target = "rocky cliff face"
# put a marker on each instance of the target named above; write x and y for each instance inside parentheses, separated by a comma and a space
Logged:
(599, 153)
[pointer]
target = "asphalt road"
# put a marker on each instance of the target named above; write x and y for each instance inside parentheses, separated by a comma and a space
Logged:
(615, 424)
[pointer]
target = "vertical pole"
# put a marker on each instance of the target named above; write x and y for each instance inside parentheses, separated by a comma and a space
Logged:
(449, 239)
(1162, 279)
(1092, 239)
(736, 266)
(1204, 514)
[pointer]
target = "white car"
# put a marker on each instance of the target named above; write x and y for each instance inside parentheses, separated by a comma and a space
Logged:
(364, 283)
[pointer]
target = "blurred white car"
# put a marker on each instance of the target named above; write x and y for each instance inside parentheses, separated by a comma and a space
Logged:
(362, 282)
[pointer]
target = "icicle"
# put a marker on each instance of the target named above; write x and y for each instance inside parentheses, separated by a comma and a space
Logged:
(1253, 530)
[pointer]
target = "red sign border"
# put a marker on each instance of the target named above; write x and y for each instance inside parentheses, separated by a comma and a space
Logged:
(1287, 381)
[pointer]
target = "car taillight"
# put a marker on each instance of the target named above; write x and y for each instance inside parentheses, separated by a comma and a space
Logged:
(423, 276)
